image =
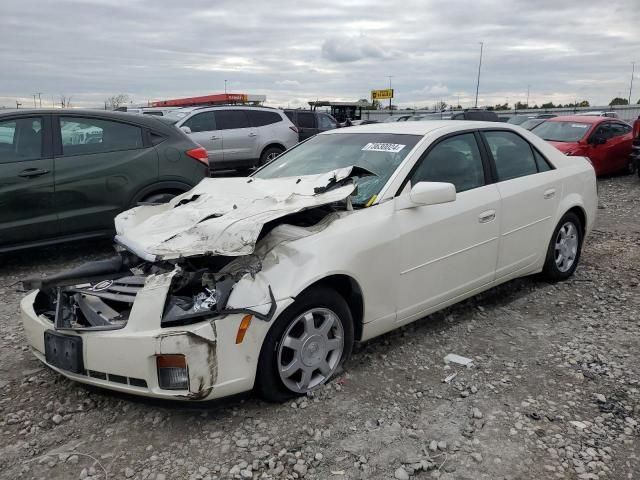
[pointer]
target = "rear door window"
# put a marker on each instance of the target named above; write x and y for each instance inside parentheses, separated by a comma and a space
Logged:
(513, 155)
(202, 122)
(231, 119)
(83, 136)
(619, 129)
(21, 139)
(260, 118)
(306, 120)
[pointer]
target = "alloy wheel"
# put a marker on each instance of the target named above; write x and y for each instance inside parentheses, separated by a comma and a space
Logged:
(310, 350)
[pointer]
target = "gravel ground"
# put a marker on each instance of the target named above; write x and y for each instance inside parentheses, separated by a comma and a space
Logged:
(553, 391)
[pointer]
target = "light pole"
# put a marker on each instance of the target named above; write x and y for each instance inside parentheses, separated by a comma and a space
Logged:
(34, 100)
(390, 77)
(479, 67)
(528, 88)
(633, 69)
(225, 87)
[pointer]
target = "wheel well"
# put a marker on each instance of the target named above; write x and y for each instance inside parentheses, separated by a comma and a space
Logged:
(162, 191)
(579, 212)
(276, 145)
(351, 292)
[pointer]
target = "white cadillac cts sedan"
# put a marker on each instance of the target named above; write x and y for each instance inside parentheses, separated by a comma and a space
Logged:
(266, 282)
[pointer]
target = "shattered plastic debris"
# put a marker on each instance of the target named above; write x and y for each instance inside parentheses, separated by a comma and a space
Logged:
(450, 377)
(453, 358)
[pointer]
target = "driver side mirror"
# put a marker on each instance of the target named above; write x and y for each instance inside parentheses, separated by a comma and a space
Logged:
(186, 130)
(427, 193)
(597, 140)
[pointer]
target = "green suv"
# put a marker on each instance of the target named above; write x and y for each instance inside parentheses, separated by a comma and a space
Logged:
(65, 174)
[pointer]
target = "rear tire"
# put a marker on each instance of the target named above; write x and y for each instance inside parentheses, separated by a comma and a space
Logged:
(565, 246)
(270, 154)
(306, 346)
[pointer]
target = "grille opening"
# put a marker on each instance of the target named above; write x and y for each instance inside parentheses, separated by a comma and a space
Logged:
(98, 375)
(117, 379)
(137, 382)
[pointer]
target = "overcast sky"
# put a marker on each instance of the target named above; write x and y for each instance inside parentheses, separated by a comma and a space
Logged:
(331, 49)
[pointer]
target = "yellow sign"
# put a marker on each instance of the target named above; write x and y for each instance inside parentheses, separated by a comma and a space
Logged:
(382, 94)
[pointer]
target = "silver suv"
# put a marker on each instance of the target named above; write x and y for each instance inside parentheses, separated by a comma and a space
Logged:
(237, 137)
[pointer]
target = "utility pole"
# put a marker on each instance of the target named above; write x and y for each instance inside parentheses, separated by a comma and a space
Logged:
(390, 77)
(633, 69)
(34, 100)
(528, 88)
(40, 98)
(225, 87)
(479, 67)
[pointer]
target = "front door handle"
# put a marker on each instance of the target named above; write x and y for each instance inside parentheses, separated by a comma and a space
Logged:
(32, 172)
(549, 193)
(253, 134)
(487, 216)
(215, 138)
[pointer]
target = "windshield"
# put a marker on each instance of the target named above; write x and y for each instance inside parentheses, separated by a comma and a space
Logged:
(175, 115)
(531, 123)
(518, 119)
(379, 153)
(561, 131)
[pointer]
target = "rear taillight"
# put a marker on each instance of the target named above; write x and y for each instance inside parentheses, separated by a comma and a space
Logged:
(294, 128)
(200, 154)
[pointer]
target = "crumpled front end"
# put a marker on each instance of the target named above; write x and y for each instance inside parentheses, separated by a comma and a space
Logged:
(159, 323)
(158, 343)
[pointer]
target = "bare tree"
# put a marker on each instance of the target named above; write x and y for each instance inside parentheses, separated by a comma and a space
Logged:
(65, 102)
(117, 101)
(440, 106)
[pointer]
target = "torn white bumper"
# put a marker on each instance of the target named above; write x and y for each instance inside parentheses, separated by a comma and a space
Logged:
(125, 359)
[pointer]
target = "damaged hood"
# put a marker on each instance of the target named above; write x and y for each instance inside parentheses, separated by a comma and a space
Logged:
(224, 216)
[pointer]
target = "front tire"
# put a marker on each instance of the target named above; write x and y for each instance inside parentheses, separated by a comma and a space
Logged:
(307, 345)
(564, 249)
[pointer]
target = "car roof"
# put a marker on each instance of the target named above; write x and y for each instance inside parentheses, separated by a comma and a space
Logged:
(148, 121)
(422, 127)
(579, 119)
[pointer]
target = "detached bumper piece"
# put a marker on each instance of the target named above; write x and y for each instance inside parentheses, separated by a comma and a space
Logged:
(102, 306)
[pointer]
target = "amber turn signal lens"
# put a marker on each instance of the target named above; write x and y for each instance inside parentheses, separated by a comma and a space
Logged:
(171, 361)
(242, 329)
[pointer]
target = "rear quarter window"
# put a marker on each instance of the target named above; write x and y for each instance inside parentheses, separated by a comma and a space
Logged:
(260, 118)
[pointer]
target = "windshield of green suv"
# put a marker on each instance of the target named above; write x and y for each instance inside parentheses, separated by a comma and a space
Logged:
(379, 153)
(561, 131)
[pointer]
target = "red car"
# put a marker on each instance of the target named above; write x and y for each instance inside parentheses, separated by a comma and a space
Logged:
(605, 141)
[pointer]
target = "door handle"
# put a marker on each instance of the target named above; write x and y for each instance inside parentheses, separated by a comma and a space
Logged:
(215, 138)
(487, 216)
(549, 193)
(32, 172)
(253, 134)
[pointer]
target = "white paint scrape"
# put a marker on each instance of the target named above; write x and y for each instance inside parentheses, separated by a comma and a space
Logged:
(223, 216)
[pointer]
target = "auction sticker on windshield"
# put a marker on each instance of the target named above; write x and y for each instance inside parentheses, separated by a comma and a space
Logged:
(383, 147)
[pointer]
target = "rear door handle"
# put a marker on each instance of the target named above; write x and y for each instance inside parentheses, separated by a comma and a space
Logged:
(253, 134)
(32, 172)
(215, 138)
(487, 216)
(549, 193)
